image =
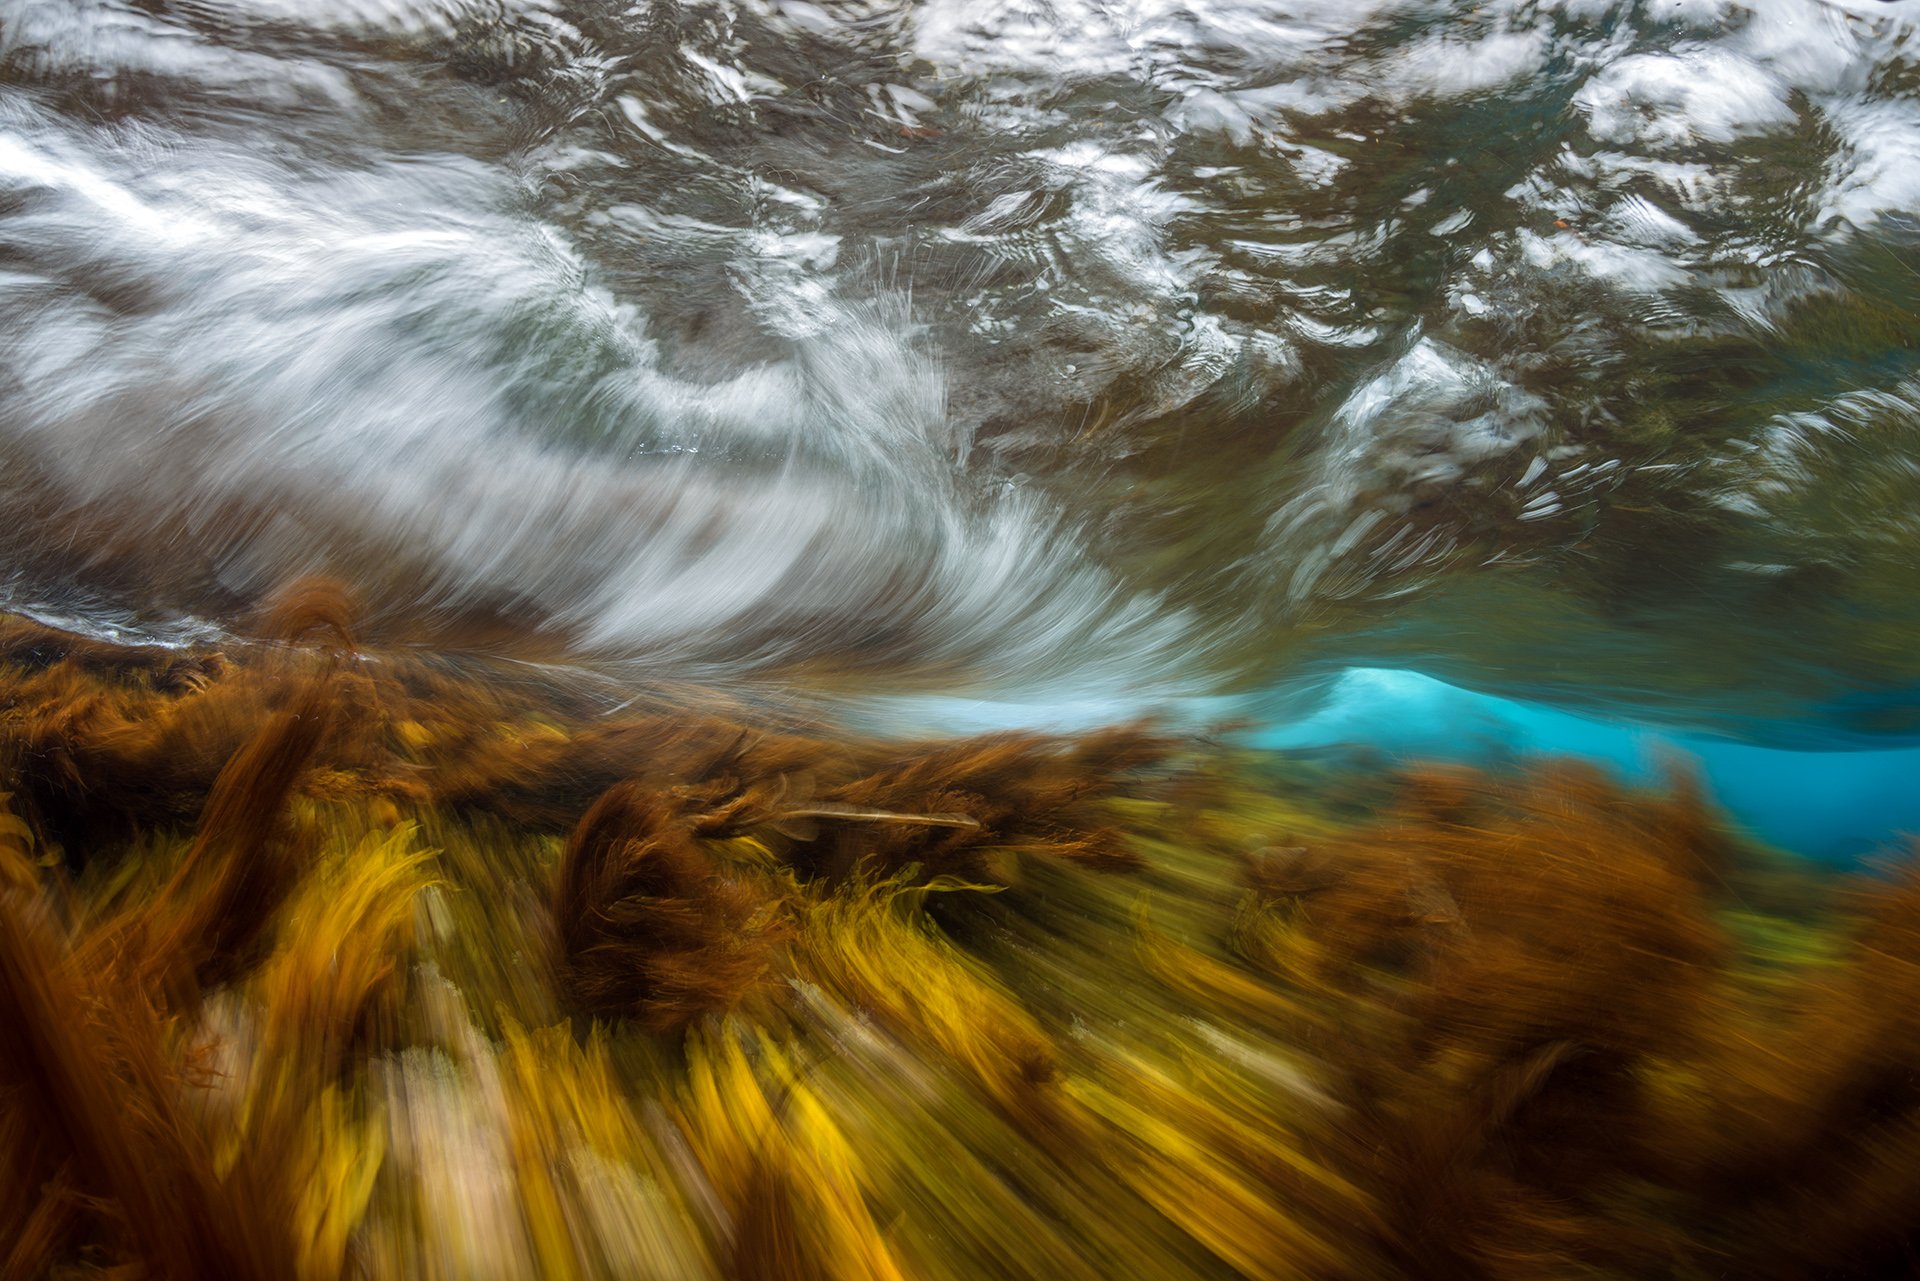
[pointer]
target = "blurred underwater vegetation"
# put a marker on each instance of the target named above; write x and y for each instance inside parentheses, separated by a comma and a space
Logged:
(318, 961)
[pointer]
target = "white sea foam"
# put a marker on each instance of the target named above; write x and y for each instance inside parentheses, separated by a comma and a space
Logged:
(1013, 340)
(312, 431)
(1668, 100)
(1877, 172)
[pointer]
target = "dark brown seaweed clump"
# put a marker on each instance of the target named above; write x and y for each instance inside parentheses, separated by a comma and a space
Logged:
(1528, 953)
(650, 927)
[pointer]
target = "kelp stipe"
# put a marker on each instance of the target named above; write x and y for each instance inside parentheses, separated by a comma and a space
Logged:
(310, 607)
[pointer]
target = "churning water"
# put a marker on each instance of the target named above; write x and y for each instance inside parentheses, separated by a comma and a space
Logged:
(1004, 349)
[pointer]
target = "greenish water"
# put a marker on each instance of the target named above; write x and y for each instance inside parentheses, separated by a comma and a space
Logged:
(1113, 354)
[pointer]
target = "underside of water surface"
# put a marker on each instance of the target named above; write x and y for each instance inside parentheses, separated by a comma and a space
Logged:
(966, 638)
(1564, 349)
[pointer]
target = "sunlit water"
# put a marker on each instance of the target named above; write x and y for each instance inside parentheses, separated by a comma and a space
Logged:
(1084, 356)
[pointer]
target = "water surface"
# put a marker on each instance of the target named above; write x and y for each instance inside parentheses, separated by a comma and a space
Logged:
(1119, 352)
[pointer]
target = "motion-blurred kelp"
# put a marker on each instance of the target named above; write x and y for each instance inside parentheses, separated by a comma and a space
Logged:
(317, 960)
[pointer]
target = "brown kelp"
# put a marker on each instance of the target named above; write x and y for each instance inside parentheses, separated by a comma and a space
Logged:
(318, 961)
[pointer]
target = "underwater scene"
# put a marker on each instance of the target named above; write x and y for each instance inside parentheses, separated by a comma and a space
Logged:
(946, 639)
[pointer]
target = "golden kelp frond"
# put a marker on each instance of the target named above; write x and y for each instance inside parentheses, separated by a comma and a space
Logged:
(331, 1163)
(286, 1108)
(485, 922)
(342, 937)
(873, 948)
(525, 1157)
(1232, 1181)
(600, 1196)
(791, 1188)
(1228, 1127)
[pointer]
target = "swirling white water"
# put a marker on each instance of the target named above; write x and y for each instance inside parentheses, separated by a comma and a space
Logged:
(1105, 350)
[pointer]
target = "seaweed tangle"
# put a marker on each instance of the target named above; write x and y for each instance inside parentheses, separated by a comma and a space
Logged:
(1812, 1155)
(1528, 952)
(649, 925)
(323, 961)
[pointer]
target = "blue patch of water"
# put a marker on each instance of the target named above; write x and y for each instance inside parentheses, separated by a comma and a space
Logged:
(1836, 806)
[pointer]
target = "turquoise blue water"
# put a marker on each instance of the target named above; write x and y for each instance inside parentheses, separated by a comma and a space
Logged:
(1836, 806)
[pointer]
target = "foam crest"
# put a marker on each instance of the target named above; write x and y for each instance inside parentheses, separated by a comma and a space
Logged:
(1004, 345)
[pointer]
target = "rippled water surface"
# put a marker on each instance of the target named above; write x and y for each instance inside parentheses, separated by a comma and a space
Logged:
(1563, 349)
